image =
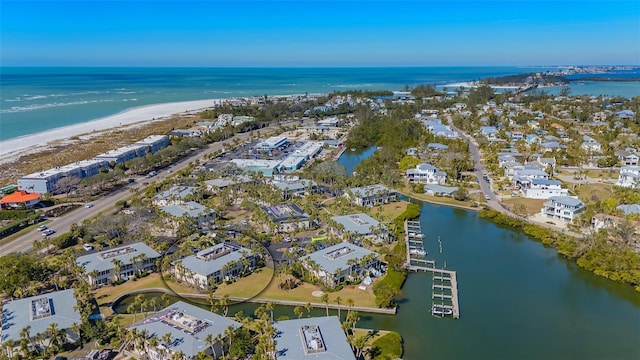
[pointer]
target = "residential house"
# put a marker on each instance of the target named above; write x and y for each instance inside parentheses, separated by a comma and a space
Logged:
(439, 190)
(285, 218)
(565, 208)
(20, 200)
(359, 225)
(215, 264)
(629, 177)
(627, 158)
(426, 174)
(319, 338)
(186, 133)
(540, 188)
(175, 195)
(37, 313)
(371, 195)
(629, 209)
(102, 267)
(293, 186)
(437, 147)
(188, 327)
(341, 262)
(489, 131)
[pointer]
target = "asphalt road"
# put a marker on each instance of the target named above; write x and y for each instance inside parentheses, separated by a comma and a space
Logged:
(63, 224)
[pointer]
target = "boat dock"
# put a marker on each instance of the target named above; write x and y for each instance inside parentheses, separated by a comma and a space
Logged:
(445, 283)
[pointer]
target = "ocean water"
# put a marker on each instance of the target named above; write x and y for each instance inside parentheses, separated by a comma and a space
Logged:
(37, 99)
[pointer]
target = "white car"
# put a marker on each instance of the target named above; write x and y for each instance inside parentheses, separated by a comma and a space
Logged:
(48, 232)
(89, 206)
(42, 227)
(487, 197)
(87, 247)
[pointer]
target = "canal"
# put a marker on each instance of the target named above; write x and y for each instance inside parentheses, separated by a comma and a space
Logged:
(518, 299)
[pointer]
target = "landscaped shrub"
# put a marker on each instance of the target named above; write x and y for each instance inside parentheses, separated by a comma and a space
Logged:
(387, 347)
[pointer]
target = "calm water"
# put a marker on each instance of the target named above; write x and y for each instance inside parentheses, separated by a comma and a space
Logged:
(38, 99)
(351, 159)
(518, 300)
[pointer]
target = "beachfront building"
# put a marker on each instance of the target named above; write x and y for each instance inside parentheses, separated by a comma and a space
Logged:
(45, 182)
(38, 313)
(174, 195)
(359, 226)
(272, 143)
(215, 264)
(319, 338)
(189, 327)
(629, 177)
(123, 154)
(341, 262)
(565, 208)
(285, 218)
(20, 200)
(371, 195)
(103, 267)
(154, 143)
(192, 209)
(426, 174)
(266, 167)
(186, 133)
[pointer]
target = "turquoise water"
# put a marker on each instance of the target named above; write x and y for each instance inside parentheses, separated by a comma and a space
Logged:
(37, 99)
(518, 300)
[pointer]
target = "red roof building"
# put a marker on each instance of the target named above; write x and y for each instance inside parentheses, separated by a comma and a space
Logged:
(20, 199)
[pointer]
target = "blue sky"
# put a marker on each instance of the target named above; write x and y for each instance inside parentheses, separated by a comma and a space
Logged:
(318, 33)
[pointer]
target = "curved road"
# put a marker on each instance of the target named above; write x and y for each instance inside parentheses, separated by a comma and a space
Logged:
(63, 224)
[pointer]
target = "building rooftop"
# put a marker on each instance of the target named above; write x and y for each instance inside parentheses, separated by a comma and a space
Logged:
(212, 259)
(177, 192)
(102, 261)
(566, 200)
(361, 224)
(191, 208)
(188, 325)
(39, 312)
(256, 163)
(629, 209)
(19, 196)
(337, 256)
(320, 338)
(229, 181)
(439, 189)
(285, 212)
(371, 190)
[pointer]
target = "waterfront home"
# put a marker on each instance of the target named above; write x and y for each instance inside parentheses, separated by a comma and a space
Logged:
(565, 208)
(359, 225)
(629, 177)
(540, 188)
(20, 200)
(38, 313)
(285, 218)
(426, 174)
(100, 268)
(341, 262)
(215, 264)
(174, 195)
(371, 195)
(319, 338)
(192, 209)
(439, 190)
(188, 327)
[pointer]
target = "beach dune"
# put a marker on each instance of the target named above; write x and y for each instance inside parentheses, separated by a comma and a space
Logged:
(11, 149)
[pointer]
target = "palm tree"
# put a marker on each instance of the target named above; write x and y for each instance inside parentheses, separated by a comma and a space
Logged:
(325, 300)
(350, 303)
(210, 342)
(338, 300)
(56, 336)
(307, 306)
(298, 310)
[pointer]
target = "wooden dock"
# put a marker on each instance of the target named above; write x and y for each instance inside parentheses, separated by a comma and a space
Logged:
(414, 239)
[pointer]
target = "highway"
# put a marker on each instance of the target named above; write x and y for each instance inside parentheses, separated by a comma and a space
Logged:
(106, 203)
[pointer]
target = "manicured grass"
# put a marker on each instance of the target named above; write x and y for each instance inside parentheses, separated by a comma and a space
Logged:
(388, 212)
(248, 286)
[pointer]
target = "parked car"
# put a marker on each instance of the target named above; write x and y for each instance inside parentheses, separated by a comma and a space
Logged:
(87, 247)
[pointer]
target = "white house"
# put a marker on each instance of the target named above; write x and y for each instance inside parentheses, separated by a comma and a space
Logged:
(426, 174)
(371, 195)
(565, 208)
(629, 177)
(541, 188)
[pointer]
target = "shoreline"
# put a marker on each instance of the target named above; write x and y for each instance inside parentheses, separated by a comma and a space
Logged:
(12, 149)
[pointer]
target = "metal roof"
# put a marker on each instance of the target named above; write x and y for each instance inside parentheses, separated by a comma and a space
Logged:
(361, 224)
(328, 341)
(39, 312)
(337, 256)
(102, 261)
(205, 265)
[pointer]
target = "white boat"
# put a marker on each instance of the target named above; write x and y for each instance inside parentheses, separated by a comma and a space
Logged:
(441, 310)
(417, 252)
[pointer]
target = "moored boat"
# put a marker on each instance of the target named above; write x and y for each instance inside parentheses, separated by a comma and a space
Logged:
(441, 310)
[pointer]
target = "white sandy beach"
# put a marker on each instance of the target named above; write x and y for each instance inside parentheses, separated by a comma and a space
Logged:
(11, 149)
